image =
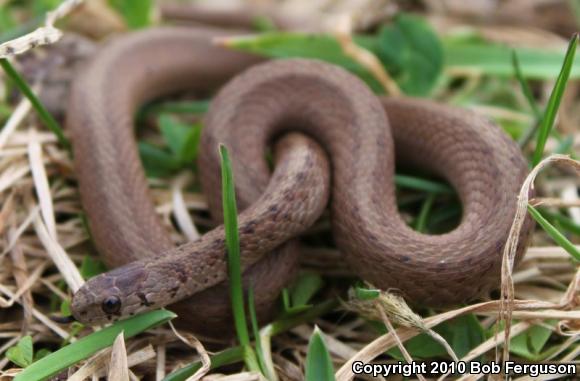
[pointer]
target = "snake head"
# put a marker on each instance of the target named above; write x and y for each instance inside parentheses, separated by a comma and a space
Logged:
(111, 296)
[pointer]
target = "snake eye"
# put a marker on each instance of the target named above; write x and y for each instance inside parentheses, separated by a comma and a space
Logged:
(111, 305)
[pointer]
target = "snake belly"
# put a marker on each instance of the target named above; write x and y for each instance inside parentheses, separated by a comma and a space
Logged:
(311, 110)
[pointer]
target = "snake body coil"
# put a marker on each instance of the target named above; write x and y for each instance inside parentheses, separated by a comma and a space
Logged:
(268, 103)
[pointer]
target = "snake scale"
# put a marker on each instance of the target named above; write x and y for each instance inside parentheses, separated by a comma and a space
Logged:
(333, 139)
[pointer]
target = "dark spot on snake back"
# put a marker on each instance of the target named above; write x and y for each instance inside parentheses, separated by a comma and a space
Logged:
(248, 229)
(300, 177)
(181, 272)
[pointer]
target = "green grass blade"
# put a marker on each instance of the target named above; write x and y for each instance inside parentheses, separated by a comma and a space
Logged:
(554, 101)
(564, 222)
(136, 13)
(533, 129)
(292, 321)
(421, 222)
(81, 349)
(528, 134)
(441, 215)
(558, 237)
(417, 183)
(318, 362)
(256, 332)
(472, 55)
(306, 285)
(234, 261)
(43, 113)
(233, 244)
(524, 85)
(175, 107)
(226, 357)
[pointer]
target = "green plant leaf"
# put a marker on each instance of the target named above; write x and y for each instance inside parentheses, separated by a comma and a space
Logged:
(65, 308)
(5, 111)
(7, 21)
(136, 13)
(530, 343)
(263, 24)
(318, 362)
(467, 333)
(300, 45)
(462, 333)
(75, 329)
(364, 293)
(554, 102)
(42, 6)
(156, 161)
(466, 55)
(421, 346)
(89, 345)
(182, 139)
(412, 53)
(22, 353)
(91, 266)
(565, 146)
(304, 288)
(416, 69)
(173, 132)
(41, 353)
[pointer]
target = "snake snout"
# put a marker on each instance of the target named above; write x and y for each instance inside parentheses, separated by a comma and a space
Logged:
(83, 303)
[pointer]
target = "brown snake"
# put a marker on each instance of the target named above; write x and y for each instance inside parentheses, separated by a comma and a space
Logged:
(357, 130)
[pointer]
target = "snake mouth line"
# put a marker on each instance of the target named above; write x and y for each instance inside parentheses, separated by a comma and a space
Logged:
(63, 319)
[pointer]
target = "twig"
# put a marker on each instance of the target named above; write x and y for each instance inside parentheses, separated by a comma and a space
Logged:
(43, 35)
(364, 57)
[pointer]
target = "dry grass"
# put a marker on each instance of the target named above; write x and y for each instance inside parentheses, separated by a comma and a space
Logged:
(43, 242)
